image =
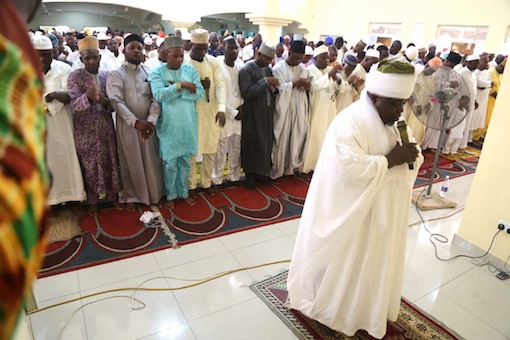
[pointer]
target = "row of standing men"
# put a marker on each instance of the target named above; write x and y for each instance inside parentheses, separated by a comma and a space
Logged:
(167, 116)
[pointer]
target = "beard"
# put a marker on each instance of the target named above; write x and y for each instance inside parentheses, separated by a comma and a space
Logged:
(135, 61)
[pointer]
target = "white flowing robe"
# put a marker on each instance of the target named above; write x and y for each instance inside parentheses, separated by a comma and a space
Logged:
(323, 111)
(348, 262)
(470, 78)
(291, 121)
(67, 181)
(435, 115)
(483, 84)
(346, 95)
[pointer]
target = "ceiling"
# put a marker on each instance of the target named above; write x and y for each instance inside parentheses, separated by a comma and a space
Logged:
(102, 10)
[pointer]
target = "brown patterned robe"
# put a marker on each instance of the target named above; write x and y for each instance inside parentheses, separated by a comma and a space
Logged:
(94, 136)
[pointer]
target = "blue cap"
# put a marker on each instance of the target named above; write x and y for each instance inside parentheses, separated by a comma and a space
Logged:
(329, 40)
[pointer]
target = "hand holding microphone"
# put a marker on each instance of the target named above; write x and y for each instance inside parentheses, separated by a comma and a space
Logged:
(405, 153)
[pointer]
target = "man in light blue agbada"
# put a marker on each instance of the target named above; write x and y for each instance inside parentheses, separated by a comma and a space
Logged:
(176, 87)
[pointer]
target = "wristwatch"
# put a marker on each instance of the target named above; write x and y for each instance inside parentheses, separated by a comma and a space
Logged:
(179, 87)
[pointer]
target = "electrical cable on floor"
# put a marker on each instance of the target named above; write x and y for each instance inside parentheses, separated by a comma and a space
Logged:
(443, 239)
(138, 288)
(216, 276)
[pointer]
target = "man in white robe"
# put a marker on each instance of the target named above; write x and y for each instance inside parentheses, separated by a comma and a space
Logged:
(348, 263)
(323, 93)
(431, 138)
(67, 180)
(210, 109)
(468, 73)
(292, 116)
(230, 136)
(349, 89)
(483, 84)
(361, 70)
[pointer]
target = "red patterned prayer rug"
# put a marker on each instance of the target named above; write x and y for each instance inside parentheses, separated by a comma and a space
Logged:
(114, 235)
(412, 323)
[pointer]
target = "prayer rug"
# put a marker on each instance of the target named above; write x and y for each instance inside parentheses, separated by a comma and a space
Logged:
(115, 235)
(412, 323)
(461, 164)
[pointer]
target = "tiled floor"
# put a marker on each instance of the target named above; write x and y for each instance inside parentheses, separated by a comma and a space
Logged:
(467, 298)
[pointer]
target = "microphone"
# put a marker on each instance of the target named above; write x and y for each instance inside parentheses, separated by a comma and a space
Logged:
(207, 95)
(402, 128)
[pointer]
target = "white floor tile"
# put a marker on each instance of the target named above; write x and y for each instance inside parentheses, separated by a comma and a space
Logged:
(190, 252)
(251, 237)
(212, 296)
(250, 320)
(117, 271)
(415, 288)
(484, 295)
(422, 262)
(49, 324)
(56, 286)
(275, 250)
(457, 318)
(182, 332)
(289, 227)
(114, 318)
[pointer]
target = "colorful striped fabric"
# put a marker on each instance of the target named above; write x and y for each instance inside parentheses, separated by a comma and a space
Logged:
(24, 181)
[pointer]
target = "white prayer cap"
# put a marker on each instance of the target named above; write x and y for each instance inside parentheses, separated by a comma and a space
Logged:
(200, 36)
(159, 41)
(267, 49)
(102, 36)
(186, 36)
(392, 79)
(411, 52)
(147, 41)
(308, 50)
(319, 50)
(373, 53)
(248, 40)
(472, 57)
(42, 42)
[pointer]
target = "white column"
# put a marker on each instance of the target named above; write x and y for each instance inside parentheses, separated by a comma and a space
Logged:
(269, 27)
(183, 26)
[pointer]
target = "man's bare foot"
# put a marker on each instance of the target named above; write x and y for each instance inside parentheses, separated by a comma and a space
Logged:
(190, 200)
(192, 193)
(170, 204)
(130, 207)
(117, 205)
(212, 191)
(92, 209)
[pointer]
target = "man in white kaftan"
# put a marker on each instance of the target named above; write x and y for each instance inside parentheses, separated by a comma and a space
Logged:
(350, 84)
(468, 73)
(431, 138)
(292, 116)
(210, 109)
(348, 262)
(67, 180)
(362, 69)
(323, 93)
(230, 136)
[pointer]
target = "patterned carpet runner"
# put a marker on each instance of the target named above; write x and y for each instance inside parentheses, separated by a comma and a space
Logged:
(412, 323)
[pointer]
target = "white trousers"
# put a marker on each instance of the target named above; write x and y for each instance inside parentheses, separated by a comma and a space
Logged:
(231, 146)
